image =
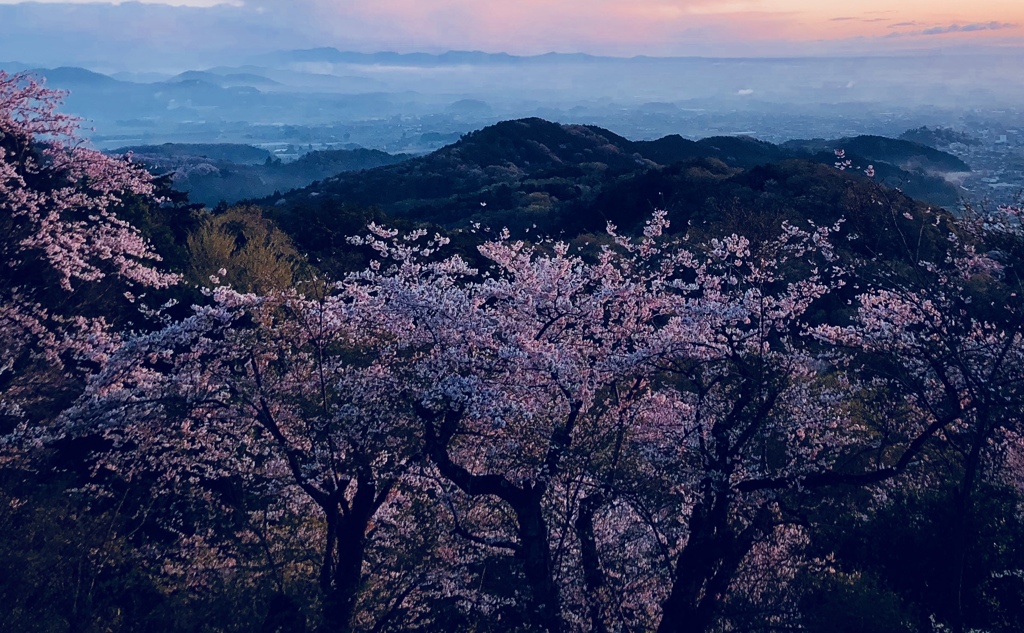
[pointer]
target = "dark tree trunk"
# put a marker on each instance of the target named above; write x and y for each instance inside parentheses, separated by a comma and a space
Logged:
(341, 577)
(963, 534)
(345, 580)
(689, 607)
(545, 612)
(533, 548)
(593, 578)
(707, 565)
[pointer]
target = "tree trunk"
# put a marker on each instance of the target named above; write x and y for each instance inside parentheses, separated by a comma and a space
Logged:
(346, 579)
(342, 575)
(593, 578)
(707, 565)
(545, 610)
(690, 605)
(962, 534)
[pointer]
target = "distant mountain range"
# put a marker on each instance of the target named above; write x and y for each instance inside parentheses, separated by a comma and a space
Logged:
(201, 104)
(450, 58)
(384, 99)
(229, 80)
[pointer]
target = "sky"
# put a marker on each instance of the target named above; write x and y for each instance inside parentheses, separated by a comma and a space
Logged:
(44, 31)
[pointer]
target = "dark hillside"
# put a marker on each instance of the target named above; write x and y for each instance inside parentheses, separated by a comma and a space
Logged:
(531, 144)
(716, 199)
(907, 154)
(487, 167)
(938, 137)
(742, 151)
(670, 149)
(533, 172)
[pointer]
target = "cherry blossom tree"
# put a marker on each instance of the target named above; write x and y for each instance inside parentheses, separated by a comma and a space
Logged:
(290, 393)
(496, 376)
(517, 373)
(59, 231)
(650, 418)
(742, 397)
(947, 338)
(532, 388)
(757, 413)
(69, 264)
(530, 375)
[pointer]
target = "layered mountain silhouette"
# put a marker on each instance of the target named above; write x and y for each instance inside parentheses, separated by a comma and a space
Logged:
(228, 80)
(225, 172)
(334, 56)
(532, 171)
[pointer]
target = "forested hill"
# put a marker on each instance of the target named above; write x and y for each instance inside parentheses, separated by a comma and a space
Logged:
(903, 153)
(536, 176)
(533, 171)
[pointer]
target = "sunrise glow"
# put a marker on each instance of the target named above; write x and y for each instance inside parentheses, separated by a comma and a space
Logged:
(617, 27)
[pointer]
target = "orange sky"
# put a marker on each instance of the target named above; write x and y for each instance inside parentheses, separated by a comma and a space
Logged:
(624, 27)
(684, 26)
(881, 17)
